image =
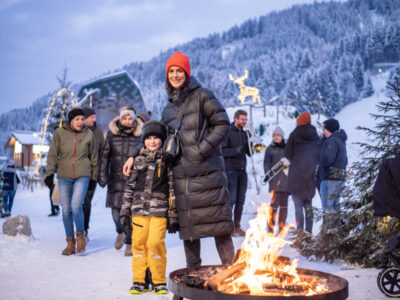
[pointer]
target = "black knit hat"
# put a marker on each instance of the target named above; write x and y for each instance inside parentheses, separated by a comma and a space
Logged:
(332, 125)
(74, 112)
(88, 112)
(154, 128)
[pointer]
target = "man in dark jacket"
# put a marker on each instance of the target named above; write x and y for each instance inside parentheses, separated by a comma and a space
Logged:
(234, 150)
(303, 150)
(332, 164)
(387, 189)
(90, 121)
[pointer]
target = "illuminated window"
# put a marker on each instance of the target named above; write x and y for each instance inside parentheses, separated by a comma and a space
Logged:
(37, 149)
(17, 147)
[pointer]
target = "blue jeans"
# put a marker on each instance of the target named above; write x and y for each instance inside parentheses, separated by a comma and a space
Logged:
(303, 207)
(72, 194)
(237, 186)
(8, 200)
(330, 194)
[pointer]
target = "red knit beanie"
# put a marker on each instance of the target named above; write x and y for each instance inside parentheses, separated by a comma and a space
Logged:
(304, 118)
(180, 60)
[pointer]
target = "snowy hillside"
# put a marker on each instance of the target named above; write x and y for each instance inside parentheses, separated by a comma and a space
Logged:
(33, 268)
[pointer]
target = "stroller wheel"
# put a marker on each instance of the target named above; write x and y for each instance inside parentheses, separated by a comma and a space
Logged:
(389, 281)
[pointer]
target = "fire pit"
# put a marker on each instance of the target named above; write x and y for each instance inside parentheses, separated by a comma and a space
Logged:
(257, 272)
(189, 283)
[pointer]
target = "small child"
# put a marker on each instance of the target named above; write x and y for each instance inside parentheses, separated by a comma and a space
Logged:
(149, 198)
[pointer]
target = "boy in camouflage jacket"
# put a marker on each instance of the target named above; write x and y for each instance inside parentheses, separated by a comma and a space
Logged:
(149, 198)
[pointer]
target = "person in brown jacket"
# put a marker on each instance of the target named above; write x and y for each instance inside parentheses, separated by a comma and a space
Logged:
(73, 154)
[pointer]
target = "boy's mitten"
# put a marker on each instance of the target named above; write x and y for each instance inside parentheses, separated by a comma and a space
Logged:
(172, 225)
(126, 223)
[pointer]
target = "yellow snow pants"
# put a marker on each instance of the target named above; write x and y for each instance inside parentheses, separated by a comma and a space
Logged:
(148, 248)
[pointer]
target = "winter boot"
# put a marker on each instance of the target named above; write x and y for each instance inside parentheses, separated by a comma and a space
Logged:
(70, 249)
(160, 289)
(86, 237)
(119, 241)
(128, 250)
(238, 232)
(80, 242)
(137, 288)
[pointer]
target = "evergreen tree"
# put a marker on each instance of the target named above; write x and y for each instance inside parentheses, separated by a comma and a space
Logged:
(368, 89)
(358, 73)
(353, 233)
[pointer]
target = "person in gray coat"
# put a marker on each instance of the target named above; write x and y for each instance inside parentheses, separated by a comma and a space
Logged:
(278, 185)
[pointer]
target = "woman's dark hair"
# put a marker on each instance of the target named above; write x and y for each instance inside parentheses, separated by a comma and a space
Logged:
(184, 89)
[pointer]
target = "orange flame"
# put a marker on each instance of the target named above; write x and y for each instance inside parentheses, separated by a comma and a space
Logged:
(260, 252)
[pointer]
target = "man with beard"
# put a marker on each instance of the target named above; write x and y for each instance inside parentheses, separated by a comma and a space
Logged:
(234, 150)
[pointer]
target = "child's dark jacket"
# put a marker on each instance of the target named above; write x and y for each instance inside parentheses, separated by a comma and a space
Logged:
(150, 191)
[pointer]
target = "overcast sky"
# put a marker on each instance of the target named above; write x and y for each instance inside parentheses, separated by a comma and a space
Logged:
(37, 37)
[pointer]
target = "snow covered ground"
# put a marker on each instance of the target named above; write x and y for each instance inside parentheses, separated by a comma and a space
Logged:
(33, 268)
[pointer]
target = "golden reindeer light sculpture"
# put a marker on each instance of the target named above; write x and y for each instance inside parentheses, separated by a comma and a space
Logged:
(246, 91)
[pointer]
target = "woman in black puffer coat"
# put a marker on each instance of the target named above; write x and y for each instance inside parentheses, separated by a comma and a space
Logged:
(123, 136)
(200, 185)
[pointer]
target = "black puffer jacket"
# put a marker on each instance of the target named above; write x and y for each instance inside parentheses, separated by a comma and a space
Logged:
(387, 189)
(303, 150)
(116, 150)
(200, 185)
(273, 155)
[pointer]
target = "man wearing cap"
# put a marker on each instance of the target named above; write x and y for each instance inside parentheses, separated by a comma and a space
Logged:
(90, 122)
(332, 164)
(303, 150)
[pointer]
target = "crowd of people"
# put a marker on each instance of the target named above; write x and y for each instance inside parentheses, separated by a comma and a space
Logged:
(200, 192)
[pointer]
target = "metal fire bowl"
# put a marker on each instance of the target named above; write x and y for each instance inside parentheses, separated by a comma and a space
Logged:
(338, 286)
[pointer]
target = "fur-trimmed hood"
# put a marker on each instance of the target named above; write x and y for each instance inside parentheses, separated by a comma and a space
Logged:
(116, 130)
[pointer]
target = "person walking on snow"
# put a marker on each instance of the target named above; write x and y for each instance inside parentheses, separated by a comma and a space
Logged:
(200, 183)
(149, 198)
(73, 154)
(234, 150)
(278, 186)
(124, 135)
(11, 180)
(332, 164)
(90, 122)
(303, 151)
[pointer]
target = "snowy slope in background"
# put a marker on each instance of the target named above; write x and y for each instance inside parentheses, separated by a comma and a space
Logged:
(33, 268)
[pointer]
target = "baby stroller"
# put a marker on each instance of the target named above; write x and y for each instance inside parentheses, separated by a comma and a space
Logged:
(386, 196)
(389, 276)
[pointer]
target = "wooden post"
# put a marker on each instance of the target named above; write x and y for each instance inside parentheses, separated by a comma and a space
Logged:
(277, 111)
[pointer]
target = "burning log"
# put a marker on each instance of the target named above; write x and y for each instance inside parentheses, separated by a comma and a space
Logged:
(214, 282)
(294, 288)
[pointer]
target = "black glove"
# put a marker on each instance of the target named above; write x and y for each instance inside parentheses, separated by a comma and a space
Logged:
(126, 223)
(172, 225)
(92, 185)
(49, 181)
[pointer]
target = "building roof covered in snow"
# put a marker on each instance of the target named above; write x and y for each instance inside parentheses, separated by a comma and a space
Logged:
(107, 94)
(24, 138)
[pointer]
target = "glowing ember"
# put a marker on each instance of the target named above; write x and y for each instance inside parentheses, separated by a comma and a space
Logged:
(259, 270)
